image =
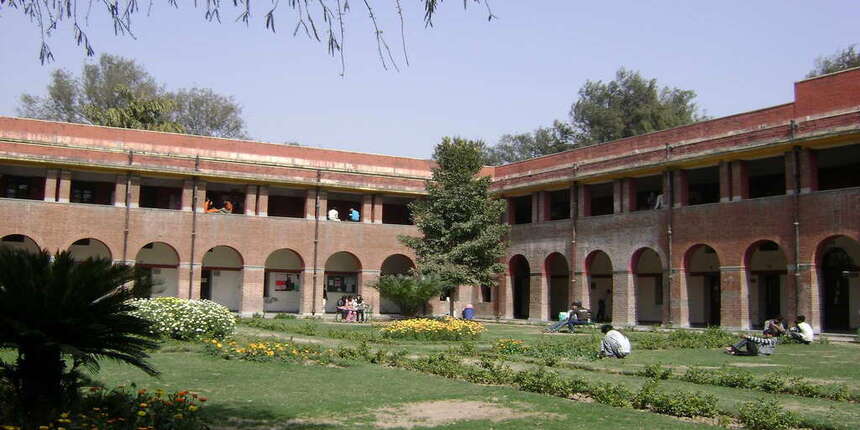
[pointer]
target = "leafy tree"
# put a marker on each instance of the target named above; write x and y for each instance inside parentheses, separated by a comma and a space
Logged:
(110, 84)
(60, 315)
(410, 292)
(135, 112)
(629, 106)
(841, 60)
(523, 146)
(463, 237)
(317, 19)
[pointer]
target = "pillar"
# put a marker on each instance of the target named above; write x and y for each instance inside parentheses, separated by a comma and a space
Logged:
(628, 195)
(790, 294)
(310, 204)
(368, 293)
(51, 177)
(197, 272)
(740, 182)
(252, 290)
(323, 206)
(734, 303)
(545, 204)
(133, 192)
(183, 284)
(808, 173)
(617, 196)
(506, 295)
(510, 211)
(581, 291)
(725, 181)
(538, 296)
(789, 172)
(367, 212)
(120, 191)
(251, 201)
(201, 197)
(808, 295)
(623, 298)
(64, 189)
(307, 293)
(681, 189)
(262, 200)
(536, 207)
(378, 207)
(679, 302)
(584, 201)
(187, 195)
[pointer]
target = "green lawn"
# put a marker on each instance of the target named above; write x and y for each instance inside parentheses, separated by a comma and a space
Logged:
(275, 395)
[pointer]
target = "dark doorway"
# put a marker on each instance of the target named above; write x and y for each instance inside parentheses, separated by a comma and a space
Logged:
(837, 267)
(770, 295)
(520, 276)
(206, 284)
(712, 290)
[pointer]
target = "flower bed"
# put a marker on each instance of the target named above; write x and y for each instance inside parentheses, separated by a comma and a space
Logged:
(186, 319)
(263, 350)
(430, 329)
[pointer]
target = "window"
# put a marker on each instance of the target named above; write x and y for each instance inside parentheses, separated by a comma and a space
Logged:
(23, 187)
(601, 199)
(703, 185)
(649, 193)
(766, 177)
(559, 204)
(221, 194)
(486, 294)
(838, 167)
(286, 206)
(396, 214)
(522, 209)
(97, 193)
(160, 197)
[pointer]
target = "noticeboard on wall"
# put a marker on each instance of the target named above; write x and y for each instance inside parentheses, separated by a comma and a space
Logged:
(341, 283)
(280, 281)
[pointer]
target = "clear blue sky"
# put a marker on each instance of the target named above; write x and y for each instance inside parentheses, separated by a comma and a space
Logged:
(467, 77)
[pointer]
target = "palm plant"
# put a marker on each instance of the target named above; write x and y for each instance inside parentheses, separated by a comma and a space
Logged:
(61, 315)
(408, 291)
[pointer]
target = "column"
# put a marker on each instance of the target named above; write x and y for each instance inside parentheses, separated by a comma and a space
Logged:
(681, 188)
(584, 201)
(187, 194)
(197, 272)
(808, 174)
(251, 200)
(307, 291)
(323, 202)
(378, 207)
(725, 181)
(120, 191)
(544, 198)
(734, 306)
(369, 294)
(201, 197)
(617, 197)
(310, 204)
(538, 296)
(628, 195)
(252, 290)
(581, 290)
(51, 176)
(262, 200)
(679, 302)
(536, 207)
(623, 298)
(740, 182)
(511, 216)
(666, 317)
(808, 295)
(789, 172)
(183, 284)
(134, 192)
(65, 186)
(367, 212)
(790, 294)
(505, 295)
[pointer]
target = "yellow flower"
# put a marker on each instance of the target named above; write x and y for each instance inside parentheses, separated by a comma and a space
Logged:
(192, 408)
(141, 413)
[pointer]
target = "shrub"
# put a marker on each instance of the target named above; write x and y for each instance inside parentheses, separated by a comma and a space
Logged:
(676, 403)
(439, 364)
(765, 414)
(283, 316)
(542, 381)
(185, 319)
(490, 372)
(698, 375)
(410, 292)
(735, 378)
(430, 329)
(655, 371)
(612, 395)
(509, 346)
(263, 351)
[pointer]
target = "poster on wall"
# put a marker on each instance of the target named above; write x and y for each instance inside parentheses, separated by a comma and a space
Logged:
(284, 281)
(340, 283)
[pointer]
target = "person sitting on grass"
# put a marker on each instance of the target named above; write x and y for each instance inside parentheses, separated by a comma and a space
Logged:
(774, 326)
(614, 344)
(802, 331)
(577, 315)
(754, 345)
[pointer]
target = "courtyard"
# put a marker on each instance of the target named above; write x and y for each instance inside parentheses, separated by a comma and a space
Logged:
(360, 388)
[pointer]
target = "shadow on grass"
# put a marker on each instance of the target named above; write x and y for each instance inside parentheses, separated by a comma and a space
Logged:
(222, 417)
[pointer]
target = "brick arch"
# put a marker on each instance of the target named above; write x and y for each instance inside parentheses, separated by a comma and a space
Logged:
(172, 248)
(637, 254)
(110, 251)
(822, 243)
(241, 257)
(393, 256)
(589, 259)
(518, 258)
(26, 237)
(357, 260)
(692, 249)
(750, 250)
(272, 252)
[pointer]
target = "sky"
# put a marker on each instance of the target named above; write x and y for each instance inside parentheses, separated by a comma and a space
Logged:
(467, 76)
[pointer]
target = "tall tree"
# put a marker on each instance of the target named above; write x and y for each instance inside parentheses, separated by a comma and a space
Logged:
(462, 234)
(629, 106)
(841, 60)
(522, 146)
(112, 83)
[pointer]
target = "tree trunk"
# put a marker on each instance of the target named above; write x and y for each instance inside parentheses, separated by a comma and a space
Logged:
(41, 373)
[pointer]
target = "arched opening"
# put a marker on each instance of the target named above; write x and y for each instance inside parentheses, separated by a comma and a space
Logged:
(342, 278)
(840, 283)
(221, 278)
(520, 277)
(558, 276)
(599, 269)
(393, 265)
(161, 262)
(89, 248)
(283, 281)
(703, 286)
(648, 286)
(19, 241)
(766, 271)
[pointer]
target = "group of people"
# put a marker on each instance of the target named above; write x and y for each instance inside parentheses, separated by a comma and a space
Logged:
(351, 308)
(209, 207)
(774, 328)
(614, 344)
(353, 215)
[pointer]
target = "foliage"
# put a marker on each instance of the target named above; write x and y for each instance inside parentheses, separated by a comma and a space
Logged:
(628, 106)
(509, 346)
(118, 92)
(841, 60)
(462, 234)
(771, 383)
(58, 312)
(524, 146)
(612, 395)
(185, 319)
(311, 328)
(676, 403)
(318, 20)
(766, 414)
(431, 329)
(655, 371)
(410, 292)
(263, 350)
(543, 381)
(712, 337)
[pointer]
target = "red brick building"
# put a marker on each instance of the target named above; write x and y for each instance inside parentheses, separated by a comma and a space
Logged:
(726, 221)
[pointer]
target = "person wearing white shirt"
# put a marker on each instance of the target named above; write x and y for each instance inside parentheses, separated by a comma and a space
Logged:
(333, 215)
(614, 343)
(802, 331)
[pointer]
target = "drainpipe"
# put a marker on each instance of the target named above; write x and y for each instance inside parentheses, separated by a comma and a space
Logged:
(193, 226)
(574, 214)
(316, 240)
(796, 210)
(127, 208)
(668, 200)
